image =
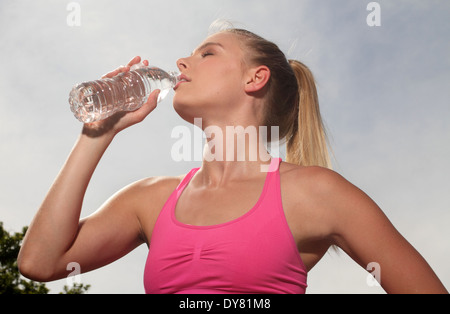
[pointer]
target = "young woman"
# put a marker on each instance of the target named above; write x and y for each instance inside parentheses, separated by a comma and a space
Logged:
(227, 227)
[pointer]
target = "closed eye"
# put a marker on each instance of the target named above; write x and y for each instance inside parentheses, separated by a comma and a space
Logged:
(205, 46)
(205, 54)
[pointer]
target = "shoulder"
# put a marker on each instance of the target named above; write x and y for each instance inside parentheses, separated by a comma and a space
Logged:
(145, 199)
(325, 195)
(315, 180)
(152, 188)
(159, 184)
(329, 207)
(341, 209)
(144, 195)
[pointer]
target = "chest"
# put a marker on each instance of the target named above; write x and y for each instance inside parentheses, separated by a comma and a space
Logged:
(234, 241)
(211, 207)
(214, 206)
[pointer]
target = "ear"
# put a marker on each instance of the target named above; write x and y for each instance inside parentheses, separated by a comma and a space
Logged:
(257, 78)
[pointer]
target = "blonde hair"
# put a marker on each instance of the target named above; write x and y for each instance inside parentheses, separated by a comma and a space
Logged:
(308, 144)
(291, 102)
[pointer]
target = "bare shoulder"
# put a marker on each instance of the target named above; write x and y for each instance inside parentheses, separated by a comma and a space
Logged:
(325, 209)
(150, 193)
(146, 198)
(315, 180)
(322, 196)
(325, 190)
(155, 185)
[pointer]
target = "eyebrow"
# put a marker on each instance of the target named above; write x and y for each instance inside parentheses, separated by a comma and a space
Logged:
(207, 45)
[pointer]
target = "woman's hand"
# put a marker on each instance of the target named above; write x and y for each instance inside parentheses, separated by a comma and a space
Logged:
(122, 120)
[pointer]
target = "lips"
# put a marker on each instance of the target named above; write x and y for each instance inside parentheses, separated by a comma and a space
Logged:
(181, 80)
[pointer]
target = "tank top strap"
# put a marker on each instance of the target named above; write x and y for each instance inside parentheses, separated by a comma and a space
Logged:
(185, 182)
(272, 190)
(274, 165)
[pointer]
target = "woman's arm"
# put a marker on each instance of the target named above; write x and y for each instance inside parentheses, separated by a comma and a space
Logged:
(359, 227)
(56, 236)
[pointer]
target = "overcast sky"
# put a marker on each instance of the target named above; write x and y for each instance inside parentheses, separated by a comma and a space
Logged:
(384, 93)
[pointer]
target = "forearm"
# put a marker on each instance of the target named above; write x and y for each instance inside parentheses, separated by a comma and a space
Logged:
(55, 228)
(55, 225)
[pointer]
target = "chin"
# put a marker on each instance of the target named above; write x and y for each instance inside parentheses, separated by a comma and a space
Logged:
(185, 111)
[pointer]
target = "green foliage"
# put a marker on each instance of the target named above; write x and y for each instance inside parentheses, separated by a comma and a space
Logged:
(78, 288)
(11, 282)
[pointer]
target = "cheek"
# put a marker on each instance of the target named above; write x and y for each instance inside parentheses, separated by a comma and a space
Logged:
(224, 85)
(215, 87)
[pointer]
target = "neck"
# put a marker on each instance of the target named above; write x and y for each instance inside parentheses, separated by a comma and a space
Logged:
(233, 152)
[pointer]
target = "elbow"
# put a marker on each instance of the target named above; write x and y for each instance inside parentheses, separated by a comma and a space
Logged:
(33, 270)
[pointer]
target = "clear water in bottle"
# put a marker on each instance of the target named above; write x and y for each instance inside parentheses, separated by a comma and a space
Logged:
(98, 100)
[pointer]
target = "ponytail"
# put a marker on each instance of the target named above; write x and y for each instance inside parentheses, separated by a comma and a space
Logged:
(291, 102)
(307, 141)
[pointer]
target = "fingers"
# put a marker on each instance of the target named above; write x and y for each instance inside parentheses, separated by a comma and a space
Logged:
(137, 60)
(133, 62)
(140, 114)
(136, 63)
(152, 102)
(116, 72)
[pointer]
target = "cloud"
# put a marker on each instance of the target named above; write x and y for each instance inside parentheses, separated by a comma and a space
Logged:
(384, 94)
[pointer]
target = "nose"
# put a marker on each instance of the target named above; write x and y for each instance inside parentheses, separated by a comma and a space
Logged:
(182, 64)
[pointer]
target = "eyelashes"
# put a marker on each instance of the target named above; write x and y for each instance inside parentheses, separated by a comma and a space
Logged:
(206, 54)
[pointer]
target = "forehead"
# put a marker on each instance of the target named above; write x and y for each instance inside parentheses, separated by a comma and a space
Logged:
(227, 41)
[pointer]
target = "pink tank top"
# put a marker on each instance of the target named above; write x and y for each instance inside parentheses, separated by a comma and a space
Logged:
(253, 254)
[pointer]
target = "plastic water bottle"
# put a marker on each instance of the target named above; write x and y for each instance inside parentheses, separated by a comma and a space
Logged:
(100, 99)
